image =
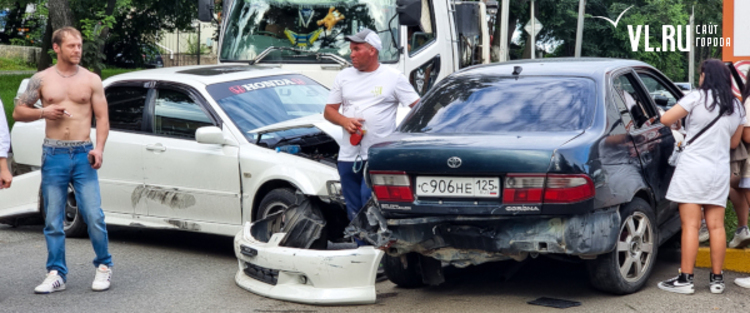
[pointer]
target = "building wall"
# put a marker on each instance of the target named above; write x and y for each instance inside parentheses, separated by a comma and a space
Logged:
(28, 54)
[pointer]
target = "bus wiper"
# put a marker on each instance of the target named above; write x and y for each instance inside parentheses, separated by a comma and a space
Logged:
(318, 55)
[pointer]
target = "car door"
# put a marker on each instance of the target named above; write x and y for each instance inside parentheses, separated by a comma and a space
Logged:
(653, 141)
(187, 180)
(121, 174)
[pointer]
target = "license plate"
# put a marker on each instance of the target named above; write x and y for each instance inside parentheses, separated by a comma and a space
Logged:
(463, 187)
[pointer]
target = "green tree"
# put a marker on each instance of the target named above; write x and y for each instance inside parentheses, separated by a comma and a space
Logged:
(602, 39)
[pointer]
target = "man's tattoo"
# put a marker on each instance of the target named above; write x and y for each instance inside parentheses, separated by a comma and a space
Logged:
(31, 95)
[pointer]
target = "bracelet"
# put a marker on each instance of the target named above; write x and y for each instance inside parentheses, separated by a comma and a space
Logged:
(41, 115)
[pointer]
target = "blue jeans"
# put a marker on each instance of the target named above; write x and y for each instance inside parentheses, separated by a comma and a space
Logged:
(353, 187)
(61, 167)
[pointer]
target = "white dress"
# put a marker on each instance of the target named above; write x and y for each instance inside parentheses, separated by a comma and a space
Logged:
(702, 173)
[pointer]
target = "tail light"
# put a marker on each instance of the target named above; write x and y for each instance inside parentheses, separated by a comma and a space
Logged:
(391, 186)
(550, 188)
(523, 188)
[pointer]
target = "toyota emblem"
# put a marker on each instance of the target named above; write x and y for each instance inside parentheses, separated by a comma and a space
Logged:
(454, 162)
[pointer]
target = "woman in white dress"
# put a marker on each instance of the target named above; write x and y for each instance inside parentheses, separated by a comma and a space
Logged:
(701, 178)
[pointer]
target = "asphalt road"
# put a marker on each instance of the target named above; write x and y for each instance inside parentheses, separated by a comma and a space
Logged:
(172, 271)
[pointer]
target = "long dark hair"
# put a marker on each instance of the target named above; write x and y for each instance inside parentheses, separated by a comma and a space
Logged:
(746, 90)
(718, 81)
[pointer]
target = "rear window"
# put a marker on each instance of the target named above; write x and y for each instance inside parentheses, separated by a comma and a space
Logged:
(482, 104)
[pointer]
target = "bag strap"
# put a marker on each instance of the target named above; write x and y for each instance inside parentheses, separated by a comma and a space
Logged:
(721, 113)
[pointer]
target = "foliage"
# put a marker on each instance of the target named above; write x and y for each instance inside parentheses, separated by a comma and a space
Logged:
(14, 64)
(91, 29)
(143, 21)
(193, 43)
(22, 28)
(602, 39)
(17, 42)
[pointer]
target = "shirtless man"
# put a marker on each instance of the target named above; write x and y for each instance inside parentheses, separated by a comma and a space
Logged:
(70, 95)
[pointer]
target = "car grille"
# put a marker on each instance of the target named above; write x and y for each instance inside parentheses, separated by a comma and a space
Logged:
(266, 275)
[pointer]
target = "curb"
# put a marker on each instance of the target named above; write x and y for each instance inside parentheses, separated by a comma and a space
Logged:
(736, 260)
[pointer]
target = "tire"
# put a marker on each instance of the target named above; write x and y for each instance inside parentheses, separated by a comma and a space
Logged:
(403, 270)
(627, 269)
(281, 199)
(275, 201)
(73, 223)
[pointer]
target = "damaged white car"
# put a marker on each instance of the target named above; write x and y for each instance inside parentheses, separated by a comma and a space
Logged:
(210, 149)
(201, 149)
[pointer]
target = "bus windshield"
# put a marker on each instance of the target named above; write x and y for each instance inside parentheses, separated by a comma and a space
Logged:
(317, 26)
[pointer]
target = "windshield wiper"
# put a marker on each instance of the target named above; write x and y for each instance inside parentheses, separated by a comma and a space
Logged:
(318, 55)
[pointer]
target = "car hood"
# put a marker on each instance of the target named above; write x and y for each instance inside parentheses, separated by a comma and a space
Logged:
(315, 120)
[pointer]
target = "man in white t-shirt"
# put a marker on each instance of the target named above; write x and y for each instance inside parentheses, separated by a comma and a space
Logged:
(368, 95)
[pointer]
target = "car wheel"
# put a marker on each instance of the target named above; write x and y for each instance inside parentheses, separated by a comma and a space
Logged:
(278, 200)
(73, 223)
(403, 270)
(626, 269)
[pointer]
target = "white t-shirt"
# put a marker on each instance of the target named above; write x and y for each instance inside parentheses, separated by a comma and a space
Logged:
(373, 96)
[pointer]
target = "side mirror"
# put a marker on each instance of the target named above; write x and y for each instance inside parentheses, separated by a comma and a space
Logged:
(205, 10)
(661, 100)
(409, 12)
(210, 135)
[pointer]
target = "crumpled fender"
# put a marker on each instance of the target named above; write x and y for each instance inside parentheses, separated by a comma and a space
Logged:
(308, 176)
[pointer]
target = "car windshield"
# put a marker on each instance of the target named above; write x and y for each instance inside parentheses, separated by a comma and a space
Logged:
(318, 26)
(492, 104)
(259, 102)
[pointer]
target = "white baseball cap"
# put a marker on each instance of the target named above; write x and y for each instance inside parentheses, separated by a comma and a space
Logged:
(366, 36)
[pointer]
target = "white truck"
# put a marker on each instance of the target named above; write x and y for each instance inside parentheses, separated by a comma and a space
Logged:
(425, 39)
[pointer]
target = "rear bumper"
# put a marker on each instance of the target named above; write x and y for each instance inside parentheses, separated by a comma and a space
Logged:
(464, 240)
(303, 275)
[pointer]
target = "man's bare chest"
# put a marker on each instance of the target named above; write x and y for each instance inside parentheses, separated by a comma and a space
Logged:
(57, 91)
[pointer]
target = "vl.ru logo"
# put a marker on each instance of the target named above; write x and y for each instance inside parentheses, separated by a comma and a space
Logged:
(668, 36)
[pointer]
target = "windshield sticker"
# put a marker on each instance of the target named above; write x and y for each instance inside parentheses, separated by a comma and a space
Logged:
(305, 16)
(305, 40)
(331, 19)
(238, 89)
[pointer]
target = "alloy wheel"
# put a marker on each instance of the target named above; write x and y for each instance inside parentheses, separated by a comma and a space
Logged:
(635, 247)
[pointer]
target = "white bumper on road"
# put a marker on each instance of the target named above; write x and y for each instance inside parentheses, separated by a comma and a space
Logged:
(303, 275)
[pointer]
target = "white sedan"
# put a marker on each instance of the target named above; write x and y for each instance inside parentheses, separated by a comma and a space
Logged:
(212, 149)
(203, 149)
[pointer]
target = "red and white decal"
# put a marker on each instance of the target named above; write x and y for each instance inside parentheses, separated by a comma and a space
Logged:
(272, 83)
(237, 90)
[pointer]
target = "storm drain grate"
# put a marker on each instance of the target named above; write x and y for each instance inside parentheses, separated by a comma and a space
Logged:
(263, 274)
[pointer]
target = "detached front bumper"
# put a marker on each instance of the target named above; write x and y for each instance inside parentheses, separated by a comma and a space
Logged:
(304, 275)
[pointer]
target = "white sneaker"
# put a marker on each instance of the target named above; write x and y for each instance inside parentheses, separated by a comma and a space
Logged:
(741, 238)
(743, 282)
(716, 283)
(703, 232)
(102, 278)
(52, 283)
